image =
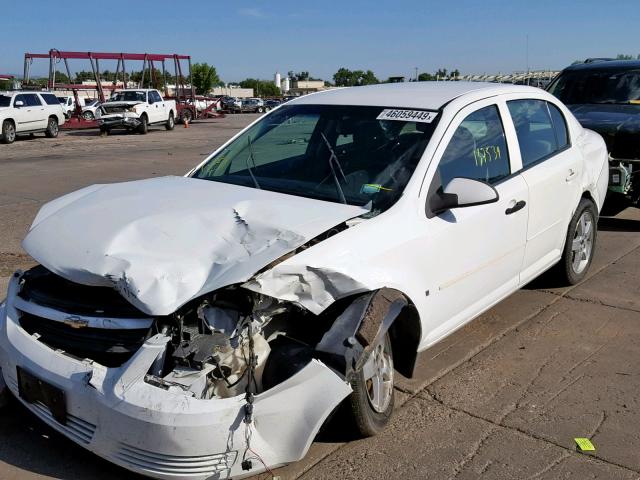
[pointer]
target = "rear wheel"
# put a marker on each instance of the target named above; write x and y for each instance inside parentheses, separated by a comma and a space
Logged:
(88, 115)
(186, 116)
(143, 128)
(373, 398)
(171, 123)
(8, 132)
(579, 244)
(260, 109)
(52, 128)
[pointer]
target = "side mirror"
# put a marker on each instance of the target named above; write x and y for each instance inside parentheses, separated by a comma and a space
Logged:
(462, 192)
(18, 104)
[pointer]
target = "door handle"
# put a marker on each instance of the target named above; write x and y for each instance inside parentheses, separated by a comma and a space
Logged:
(572, 173)
(518, 206)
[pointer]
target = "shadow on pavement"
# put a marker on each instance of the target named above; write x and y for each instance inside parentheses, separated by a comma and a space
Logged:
(612, 224)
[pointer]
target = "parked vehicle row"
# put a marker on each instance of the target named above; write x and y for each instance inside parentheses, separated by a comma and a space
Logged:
(24, 113)
(248, 105)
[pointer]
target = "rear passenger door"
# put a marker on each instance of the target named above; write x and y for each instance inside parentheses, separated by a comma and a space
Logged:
(552, 171)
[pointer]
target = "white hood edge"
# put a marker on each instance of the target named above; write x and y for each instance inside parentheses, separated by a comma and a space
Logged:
(165, 241)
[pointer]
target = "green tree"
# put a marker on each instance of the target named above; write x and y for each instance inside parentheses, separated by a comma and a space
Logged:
(261, 88)
(425, 77)
(347, 78)
(204, 77)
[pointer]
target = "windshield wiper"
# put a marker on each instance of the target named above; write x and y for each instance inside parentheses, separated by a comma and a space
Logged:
(334, 158)
(250, 156)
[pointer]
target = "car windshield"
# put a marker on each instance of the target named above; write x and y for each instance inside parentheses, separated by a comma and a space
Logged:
(5, 101)
(614, 86)
(128, 97)
(334, 153)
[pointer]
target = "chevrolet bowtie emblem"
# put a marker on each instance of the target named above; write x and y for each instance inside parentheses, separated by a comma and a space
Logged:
(76, 322)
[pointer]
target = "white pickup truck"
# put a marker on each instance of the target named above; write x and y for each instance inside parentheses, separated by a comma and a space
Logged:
(27, 113)
(135, 110)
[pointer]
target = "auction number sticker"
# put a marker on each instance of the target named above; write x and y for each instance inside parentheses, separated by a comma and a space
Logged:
(407, 115)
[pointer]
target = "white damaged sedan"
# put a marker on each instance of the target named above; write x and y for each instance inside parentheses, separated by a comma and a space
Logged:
(206, 326)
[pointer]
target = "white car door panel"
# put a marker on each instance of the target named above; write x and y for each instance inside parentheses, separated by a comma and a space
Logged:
(474, 254)
(551, 169)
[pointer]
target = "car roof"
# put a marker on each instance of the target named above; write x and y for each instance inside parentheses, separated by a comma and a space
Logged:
(604, 65)
(425, 95)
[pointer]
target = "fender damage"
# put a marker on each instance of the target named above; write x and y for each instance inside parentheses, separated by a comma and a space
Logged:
(228, 350)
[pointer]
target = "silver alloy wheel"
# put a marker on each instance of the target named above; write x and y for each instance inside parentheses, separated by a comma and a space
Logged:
(378, 377)
(582, 242)
(10, 133)
(53, 127)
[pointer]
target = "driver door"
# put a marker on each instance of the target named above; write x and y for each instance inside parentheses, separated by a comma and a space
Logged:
(474, 254)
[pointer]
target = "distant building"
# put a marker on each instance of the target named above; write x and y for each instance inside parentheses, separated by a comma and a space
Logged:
(303, 87)
(396, 79)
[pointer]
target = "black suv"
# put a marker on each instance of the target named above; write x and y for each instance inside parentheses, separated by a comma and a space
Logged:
(604, 95)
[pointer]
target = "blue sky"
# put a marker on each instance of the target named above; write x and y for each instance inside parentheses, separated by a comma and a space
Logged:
(258, 38)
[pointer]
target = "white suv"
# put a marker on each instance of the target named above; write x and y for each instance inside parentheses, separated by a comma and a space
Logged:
(29, 112)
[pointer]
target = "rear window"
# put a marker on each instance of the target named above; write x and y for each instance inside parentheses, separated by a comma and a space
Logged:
(50, 99)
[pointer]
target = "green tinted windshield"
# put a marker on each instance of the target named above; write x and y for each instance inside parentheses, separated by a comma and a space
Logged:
(334, 153)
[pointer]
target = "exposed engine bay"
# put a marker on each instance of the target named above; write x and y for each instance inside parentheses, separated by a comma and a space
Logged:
(223, 344)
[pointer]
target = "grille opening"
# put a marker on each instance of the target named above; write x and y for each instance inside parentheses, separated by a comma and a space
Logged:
(108, 347)
(50, 290)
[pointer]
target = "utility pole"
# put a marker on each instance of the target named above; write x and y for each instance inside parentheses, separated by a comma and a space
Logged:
(416, 74)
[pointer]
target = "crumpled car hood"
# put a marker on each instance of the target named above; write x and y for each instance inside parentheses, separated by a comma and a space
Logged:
(162, 242)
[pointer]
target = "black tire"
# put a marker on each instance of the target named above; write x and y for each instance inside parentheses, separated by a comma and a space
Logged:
(52, 128)
(8, 132)
(171, 123)
(143, 128)
(104, 131)
(186, 116)
(578, 248)
(260, 110)
(88, 115)
(368, 420)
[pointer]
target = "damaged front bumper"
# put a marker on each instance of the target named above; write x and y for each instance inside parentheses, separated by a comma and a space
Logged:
(161, 433)
(122, 120)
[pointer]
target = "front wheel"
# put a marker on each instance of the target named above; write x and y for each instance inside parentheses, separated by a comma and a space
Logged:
(52, 128)
(88, 115)
(143, 128)
(373, 397)
(8, 132)
(171, 123)
(579, 244)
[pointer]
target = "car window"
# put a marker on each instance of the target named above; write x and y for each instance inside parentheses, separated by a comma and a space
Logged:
(50, 99)
(477, 149)
(5, 100)
(20, 98)
(534, 128)
(32, 100)
(155, 96)
(559, 126)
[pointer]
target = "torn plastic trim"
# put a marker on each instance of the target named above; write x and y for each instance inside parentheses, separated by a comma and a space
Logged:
(313, 288)
(349, 342)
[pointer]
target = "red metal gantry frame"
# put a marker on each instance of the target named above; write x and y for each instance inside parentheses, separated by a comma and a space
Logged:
(182, 93)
